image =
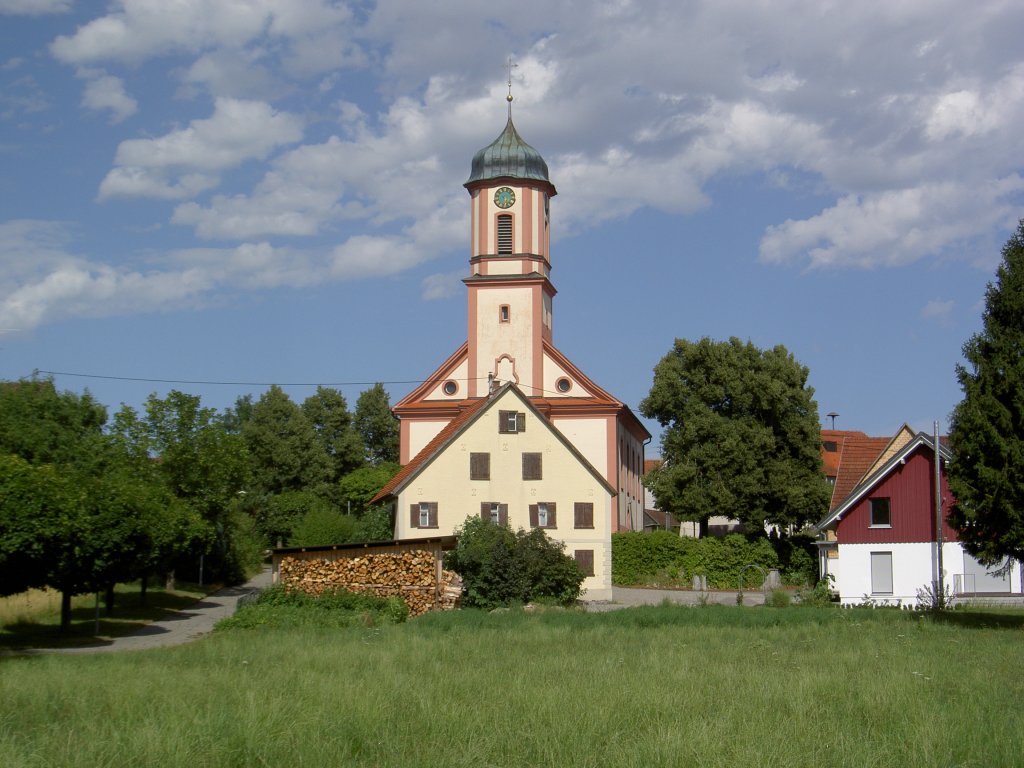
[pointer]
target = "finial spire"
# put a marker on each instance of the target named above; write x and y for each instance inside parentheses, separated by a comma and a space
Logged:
(510, 65)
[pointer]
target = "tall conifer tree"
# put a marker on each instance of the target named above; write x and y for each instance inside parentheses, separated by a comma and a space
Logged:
(987, 427)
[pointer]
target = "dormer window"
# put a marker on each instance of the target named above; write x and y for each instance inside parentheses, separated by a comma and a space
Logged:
(505, 234)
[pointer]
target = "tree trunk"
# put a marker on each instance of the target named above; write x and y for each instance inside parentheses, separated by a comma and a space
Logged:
(704, 528)
(169, 581)
(142, 590)
(65, 611)
(108, 599)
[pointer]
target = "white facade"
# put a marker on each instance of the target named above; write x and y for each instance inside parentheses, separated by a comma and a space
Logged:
(892, 573)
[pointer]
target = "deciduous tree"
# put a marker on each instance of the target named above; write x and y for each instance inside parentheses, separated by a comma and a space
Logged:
(377, 425)
(742, 437)
(986, 433)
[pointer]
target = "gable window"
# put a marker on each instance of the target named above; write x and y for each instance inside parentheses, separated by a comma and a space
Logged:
(585, 560)
(505, 234)
(583, 514)
(494, 511)
(542, 515)
(450, 387)
(479, 466)
(533, 466)
(504, 313)
(881, 573)
(423, 514)
(511, 421)
(881, 516)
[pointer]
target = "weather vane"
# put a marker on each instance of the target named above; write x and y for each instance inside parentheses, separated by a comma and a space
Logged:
(510, 65)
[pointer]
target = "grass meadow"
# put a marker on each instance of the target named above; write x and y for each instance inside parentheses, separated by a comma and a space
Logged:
(655, 686)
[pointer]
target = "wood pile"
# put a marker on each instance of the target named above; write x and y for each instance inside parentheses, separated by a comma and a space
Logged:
(410, 576)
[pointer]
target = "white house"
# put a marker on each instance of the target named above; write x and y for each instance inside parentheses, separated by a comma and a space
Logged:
(879, 540)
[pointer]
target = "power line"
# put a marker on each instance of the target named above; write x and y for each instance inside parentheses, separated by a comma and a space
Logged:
(229, 383)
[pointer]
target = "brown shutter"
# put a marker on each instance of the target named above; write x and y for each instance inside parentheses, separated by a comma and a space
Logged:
(485, 510)
(520, 422)
(552, 520)
(479, 466)
(585, 560)
(503, 514)
(532, 466)
(583, 514)
(503, 422)
(414, 515)
(432, 514)
(533, 515)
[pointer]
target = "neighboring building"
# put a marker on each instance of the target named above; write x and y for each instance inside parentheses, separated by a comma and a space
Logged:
(879, 539)
(591, 446)
(656, 519)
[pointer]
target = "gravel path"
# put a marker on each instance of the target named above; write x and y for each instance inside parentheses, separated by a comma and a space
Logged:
(176, 627)
(627, 597)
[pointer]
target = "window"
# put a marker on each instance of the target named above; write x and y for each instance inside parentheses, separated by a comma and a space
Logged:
(505, 234)
(479, 466)
(585, 560)
(563, 385)
(532, 466)
(423, 514)
(583, 514)
(542, 515)
(511, 421)
(450, 387)
(495, 512)
(504, 313)
(881, 573)
(830, 446)
(880, 514)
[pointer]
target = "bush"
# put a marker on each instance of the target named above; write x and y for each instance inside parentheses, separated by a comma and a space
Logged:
(280, 606)
(500, 567)
(778, 598)
(641, 557)
(323, 525)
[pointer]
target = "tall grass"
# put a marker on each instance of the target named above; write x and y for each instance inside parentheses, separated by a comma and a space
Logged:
(659, 686)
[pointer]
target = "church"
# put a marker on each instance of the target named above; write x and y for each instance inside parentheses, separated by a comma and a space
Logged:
(508, 427)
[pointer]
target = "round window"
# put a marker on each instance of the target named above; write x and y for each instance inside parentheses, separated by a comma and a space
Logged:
(563, 385)
(450, 387)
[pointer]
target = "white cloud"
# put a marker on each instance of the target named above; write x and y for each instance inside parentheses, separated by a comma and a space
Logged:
(894, 227)
(238, 131)
(44, 281)
(136, 30)
(34, 7)
(107, 92)
(442, 286)
(937, 309)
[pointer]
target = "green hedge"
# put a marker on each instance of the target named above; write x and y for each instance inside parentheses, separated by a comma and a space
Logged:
(642, 558)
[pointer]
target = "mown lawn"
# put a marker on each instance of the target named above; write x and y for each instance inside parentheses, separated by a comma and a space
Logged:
(658, 686)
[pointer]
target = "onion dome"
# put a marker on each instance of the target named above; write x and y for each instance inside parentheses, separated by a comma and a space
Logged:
(508, 156)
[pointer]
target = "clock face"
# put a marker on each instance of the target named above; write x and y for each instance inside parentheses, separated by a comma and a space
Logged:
(504, 197)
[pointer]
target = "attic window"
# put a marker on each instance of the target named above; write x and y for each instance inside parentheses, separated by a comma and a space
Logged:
(505, 234)
(881, 514)
(563, 384)
(831, 446)
(450, 387)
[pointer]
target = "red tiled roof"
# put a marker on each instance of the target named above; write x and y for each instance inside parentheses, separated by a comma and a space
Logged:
(432, 447)
(650, 464)
(856, 456)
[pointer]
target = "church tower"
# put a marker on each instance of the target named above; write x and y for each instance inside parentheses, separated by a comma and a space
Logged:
(510, 290)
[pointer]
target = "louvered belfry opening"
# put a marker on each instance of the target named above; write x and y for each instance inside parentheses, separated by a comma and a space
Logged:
(505, 234)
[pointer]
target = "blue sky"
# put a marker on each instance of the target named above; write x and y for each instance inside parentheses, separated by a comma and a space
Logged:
(270, 190)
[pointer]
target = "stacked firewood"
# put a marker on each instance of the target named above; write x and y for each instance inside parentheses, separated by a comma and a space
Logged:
(410, 576)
